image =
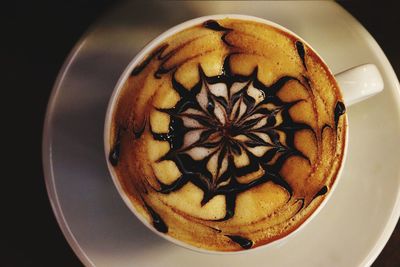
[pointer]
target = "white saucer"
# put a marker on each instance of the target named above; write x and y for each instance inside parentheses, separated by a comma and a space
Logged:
(351, 230)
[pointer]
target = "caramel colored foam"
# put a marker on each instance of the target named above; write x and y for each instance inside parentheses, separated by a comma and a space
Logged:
(229, 135)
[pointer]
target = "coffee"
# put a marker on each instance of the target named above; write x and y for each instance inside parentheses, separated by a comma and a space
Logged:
(228, 135)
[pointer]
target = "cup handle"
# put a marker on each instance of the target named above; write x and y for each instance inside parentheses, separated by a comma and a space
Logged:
(359, 83)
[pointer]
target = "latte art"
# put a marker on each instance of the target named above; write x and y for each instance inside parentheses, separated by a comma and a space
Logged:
(231, 135)
(228, 135)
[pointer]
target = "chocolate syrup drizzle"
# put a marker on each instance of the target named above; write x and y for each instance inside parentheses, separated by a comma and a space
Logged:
(158, 222)
(215, 26)
(113, 157)
(222, 137)
(340, 109)
(226, 145)
(301, 52)
(242, 241)
(158, 53)
(138, 132)
(321, 192)
(114, 154)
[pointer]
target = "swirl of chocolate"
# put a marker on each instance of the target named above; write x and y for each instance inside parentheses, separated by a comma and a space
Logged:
(228, 135)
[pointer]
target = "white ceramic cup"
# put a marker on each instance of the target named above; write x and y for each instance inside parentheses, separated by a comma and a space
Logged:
(356, 84)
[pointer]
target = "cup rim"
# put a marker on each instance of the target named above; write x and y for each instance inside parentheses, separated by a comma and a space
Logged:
(111, 109)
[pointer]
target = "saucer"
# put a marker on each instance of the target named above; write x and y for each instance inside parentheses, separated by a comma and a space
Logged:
(350, 230)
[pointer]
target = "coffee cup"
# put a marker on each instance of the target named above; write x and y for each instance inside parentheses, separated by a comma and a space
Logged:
(228, 133)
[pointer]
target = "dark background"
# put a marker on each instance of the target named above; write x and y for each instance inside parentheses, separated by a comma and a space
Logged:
(37, 37)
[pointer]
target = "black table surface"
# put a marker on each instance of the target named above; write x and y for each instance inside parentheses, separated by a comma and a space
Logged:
(36, 38)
